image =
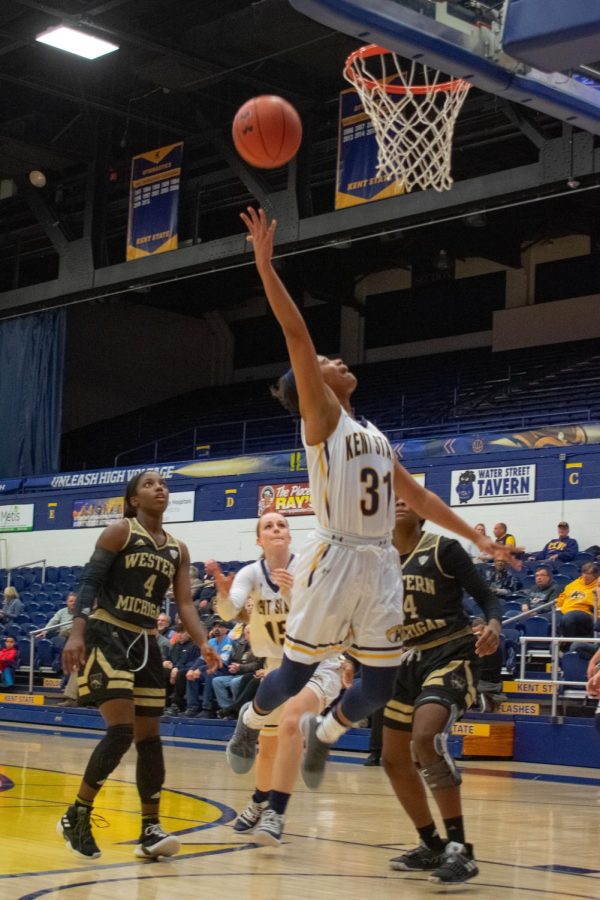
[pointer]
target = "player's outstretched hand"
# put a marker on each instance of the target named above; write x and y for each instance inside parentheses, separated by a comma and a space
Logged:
(222, 582)
(500, 551)
(260, 234)
(488, 639)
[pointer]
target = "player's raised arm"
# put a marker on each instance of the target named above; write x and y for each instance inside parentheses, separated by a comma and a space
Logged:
(319, 407)
(431, 507)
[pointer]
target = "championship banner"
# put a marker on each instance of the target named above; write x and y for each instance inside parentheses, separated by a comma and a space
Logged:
(18, 517)
(496, 484)
(357, 180)
(154, 201)
(287, 499)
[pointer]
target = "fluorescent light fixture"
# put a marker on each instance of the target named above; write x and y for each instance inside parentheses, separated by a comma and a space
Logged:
(74, 41)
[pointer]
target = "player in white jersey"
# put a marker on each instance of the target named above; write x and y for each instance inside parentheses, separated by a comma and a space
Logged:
(347, 591)
(267, 583)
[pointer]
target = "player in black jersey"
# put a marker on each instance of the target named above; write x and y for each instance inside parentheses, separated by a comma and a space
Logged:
(113, 646)
(436, 684)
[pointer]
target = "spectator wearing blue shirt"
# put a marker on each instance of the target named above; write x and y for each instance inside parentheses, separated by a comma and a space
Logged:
(197, 677)
(560, 549)
(184, 657)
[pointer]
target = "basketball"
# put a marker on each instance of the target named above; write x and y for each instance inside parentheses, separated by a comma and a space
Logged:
(267, 132)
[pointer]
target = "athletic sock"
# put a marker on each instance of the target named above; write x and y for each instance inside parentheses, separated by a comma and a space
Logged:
(278, 801)
(429, 835)
(455, 829)
(258, 720)
(260, 796)
(331, 729)
(79, 801)
(148, 820)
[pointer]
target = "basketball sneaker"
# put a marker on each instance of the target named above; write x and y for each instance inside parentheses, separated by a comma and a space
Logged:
(458, 865)
(154, 841)
(76, 828)
(241, 749)
(269, 830)
(315, 752)
(249, 817)
(421, 859)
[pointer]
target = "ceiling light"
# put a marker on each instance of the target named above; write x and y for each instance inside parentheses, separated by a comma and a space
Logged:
(74, 41)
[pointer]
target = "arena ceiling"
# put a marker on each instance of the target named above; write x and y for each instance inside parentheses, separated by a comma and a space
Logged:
(181, 72)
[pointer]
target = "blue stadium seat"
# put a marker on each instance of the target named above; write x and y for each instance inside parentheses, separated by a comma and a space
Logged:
(569, 569)
(26, 597)
(512, 608)
(562, 580)
(528, 582)
(32, 607)
(57, 598)
(13, 630)
(64, 573)
(44, 653)
(63, 587)
(51, 574)
(18, 582)
(538, 626)
(23, 619)
(39, 619)
(583, 557)
(28, 576)
(23, 645)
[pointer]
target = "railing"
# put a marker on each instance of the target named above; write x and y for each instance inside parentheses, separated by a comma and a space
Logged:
(25, 566)
(554, 681)
(32, 636)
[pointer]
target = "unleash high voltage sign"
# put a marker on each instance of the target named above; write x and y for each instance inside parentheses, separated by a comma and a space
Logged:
(497, 484)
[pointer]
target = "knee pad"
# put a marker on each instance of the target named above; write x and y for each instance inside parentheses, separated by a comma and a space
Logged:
(150, 770)
(108, 754)
(443, 772)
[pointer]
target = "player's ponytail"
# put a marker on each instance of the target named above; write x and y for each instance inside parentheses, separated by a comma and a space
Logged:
(286, 392)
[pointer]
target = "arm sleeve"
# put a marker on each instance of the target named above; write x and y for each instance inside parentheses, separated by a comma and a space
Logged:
(93, 577)
(456, 562)
(228, 607)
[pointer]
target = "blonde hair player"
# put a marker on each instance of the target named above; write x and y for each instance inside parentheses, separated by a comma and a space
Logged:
(347, 591)
(268, 582)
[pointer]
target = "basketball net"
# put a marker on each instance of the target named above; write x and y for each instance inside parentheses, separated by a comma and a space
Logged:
(413, 112)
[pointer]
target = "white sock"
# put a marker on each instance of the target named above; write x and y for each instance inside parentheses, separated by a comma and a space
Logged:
(258, 720)
(330, 730)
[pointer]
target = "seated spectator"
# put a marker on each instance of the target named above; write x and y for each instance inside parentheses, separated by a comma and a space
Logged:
(183, 657)
(63, 618)
(577, 603)
(163, 624)
(247, 689)
(544, 590)
(8, 662)
(560, 549)
(500, 579)
(502, 536)
(12, 606)
(241, 661)
(473, 550)
(197, 678)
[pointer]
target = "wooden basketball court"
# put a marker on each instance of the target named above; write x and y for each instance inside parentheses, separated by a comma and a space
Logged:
(534, 829)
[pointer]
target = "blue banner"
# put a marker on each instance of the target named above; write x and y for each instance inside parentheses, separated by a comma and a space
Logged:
(9, 485)
(357, 180)
(154, 201)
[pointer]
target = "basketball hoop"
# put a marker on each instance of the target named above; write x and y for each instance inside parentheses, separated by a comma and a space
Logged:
(413, 113)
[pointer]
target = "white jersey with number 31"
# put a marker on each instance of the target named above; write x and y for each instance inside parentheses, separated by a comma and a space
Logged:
(351, 478)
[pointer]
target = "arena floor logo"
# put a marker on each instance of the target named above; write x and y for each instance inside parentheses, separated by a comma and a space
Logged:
(32, 800)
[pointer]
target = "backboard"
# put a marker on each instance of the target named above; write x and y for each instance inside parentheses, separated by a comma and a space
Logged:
(464, 39)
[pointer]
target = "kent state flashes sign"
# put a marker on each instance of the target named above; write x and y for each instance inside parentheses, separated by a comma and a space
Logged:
(497, 484)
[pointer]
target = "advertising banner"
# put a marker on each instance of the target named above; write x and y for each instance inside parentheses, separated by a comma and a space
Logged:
(154, 201)
(181, 507)
(97, 512)
(496, 484)
(287, 499)
(17, 517)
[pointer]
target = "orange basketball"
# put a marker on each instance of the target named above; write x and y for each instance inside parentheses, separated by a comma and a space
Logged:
(267, 132)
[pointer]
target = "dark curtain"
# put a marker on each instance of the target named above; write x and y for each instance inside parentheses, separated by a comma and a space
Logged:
(32, 352)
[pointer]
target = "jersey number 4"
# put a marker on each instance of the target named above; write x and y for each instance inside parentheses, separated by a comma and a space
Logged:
(369, 505)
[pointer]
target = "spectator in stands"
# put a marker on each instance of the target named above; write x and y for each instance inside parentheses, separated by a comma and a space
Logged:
(222, 643)
(8, 662)
(560, 549)
(578, 602)
(12, 606)
(502, 536)
(473, 550)
(163, 624)
(544, 590)
(183, 657)
(241, 661)
(63, 618)
(500, 579)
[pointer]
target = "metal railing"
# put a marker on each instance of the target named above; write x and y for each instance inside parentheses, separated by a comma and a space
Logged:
(554, 681)
(25, 566)
(32, 636)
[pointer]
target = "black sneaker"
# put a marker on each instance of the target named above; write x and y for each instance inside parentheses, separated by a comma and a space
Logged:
(76, 828)
(373, 759)
(315, 752)
(156, 842)
(458, 865)
(241, 748)
(269, 830)
(249, 817)
(421, 859)
(191, 712)
(172, 710)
